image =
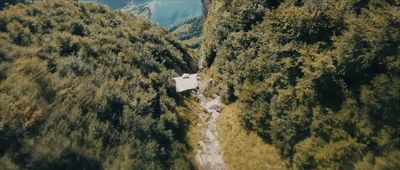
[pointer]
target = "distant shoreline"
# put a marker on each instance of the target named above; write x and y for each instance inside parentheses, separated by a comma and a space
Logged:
(164, 13)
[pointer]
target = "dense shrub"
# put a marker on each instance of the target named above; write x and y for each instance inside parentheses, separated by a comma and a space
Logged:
(84, 87)
(320, 79)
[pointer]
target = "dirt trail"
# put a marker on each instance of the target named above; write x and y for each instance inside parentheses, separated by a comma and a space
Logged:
(209, 155)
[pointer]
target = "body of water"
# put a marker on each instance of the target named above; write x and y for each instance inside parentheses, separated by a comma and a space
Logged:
(166, 13)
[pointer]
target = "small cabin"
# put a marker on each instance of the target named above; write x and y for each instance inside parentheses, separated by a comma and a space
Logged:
(186, 82)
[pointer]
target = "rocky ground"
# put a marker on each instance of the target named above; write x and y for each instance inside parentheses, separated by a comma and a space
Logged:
(209, 155)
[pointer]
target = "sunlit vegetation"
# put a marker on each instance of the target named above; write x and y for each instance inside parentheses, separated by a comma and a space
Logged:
(84, 87)
(243, 149)
(319, 80)
(315, 82)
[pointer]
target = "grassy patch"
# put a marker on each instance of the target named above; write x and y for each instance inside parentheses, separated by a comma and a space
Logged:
(194, 131)
(242, 149)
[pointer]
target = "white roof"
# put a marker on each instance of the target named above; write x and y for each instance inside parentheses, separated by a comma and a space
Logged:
(186, 82)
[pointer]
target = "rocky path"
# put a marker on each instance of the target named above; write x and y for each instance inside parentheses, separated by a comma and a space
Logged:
(209, 155)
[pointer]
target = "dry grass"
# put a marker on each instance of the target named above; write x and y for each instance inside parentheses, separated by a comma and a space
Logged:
(244, 150)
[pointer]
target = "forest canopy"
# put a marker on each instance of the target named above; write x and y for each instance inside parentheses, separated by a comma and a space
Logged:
(320, 80)
(82, 86)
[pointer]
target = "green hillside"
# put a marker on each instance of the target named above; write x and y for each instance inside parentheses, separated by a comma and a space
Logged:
(190, 32)
(84, 87)
(305, 84)
(320, 80)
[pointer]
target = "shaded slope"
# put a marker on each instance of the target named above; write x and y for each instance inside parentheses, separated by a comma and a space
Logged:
(190, 32)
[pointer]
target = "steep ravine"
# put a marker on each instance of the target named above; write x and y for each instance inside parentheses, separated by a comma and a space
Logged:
(209, 155)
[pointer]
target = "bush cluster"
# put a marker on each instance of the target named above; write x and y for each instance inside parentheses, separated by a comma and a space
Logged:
(320, 79)
(84, 87)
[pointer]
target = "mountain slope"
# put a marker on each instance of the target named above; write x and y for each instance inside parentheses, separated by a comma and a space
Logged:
(190, 32)
(85, 87)
(319, 79)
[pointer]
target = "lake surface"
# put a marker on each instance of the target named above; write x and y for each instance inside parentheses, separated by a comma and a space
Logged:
(166, 13)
